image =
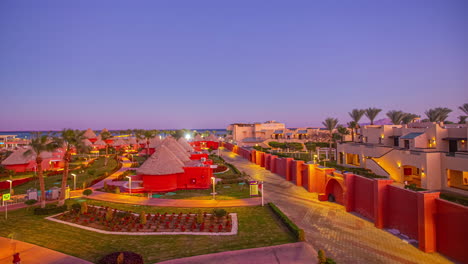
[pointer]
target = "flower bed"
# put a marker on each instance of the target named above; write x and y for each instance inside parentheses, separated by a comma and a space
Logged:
(112, 221)
(220, 169)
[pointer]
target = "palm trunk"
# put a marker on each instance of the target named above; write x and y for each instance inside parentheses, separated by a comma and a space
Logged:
(40, 175)
(147, 147)
(64, 178)
(107, 151)
(352, 134)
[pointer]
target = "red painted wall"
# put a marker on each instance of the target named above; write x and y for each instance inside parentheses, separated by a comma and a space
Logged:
(273, 167)
(364, 196)
(402, 212)
(452, 230)
(267, 161)
(160, 183)
(4, 185)
(334, 187)
(198, 156)
(296, 171)
(201, 175)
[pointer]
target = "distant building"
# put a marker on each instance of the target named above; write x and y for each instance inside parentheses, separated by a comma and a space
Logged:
(11, 142)
(247, 135)
(429, 155)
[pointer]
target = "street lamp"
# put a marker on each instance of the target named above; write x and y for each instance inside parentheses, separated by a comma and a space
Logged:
(74, 181)
(11, 184)
(129, 183)
(214, 181)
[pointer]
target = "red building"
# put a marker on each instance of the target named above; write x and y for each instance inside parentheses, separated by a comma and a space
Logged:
(19, 162)
(165, 171)
(210, 142)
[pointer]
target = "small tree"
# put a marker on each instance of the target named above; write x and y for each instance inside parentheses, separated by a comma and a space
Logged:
(199, 217)
(84, 208)
(143, 218)
(109, 214)
(87, 192)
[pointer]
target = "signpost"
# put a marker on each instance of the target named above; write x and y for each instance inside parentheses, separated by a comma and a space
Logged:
(253, 188)
(6, 197)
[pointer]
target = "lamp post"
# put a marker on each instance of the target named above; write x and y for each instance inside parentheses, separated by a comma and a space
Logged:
(11, 184)
(74, 181)
(129, 184)
(214, 191)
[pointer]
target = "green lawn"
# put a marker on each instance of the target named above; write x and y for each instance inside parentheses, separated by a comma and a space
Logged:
(55, 180)
(235, 191)
(258, 227)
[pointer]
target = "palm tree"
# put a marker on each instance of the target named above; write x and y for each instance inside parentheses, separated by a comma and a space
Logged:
(464, 108)
(438, 114)
(408, 118)
(356, 115)
(70, 140)
(372, 113)
(330, 124)
(105, 136)
(462, 119)
(396, 116)
(342, 131)
(40, 144)
(147, 135)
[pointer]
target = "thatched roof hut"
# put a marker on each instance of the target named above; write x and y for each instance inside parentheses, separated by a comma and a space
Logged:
(118, 142)
(162, 162)
(183, 142)
(89, 133)
(18, 157)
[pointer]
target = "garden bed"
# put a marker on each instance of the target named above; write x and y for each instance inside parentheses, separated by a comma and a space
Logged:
(107, 220)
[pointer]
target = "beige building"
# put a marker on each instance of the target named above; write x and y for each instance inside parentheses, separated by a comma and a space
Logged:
(247, 135)
(431, 155)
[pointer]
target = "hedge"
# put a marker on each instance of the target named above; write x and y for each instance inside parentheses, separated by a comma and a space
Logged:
(50, 209)
(298, 233)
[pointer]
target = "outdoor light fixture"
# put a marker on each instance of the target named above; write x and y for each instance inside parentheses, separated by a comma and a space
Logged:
(129, 183)
(399, 165)
(74, 181)
(11, 184)
(187, 137)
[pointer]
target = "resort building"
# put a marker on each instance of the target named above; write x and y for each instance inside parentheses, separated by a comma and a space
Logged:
(248, 135)
(19, 162)
(173, 167)
(209, 142)
(11, 142)
(433, 156)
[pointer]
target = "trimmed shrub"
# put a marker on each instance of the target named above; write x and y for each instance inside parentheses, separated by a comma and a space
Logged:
(50, 209)
(143, 217)
(298, 233)
(126, 257)
(30, 202)
(76, 207)
(322, 258)
(219, 212)
(87, 192)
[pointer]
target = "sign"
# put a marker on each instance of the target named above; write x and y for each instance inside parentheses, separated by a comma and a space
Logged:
(6, 197)
(253, 188)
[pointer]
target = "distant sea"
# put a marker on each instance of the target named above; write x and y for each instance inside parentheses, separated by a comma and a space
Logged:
(27, 134)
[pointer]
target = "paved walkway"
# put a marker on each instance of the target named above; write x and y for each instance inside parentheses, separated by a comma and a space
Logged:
(345, 237)
(294, 253)
(127, 199)
(32, 254)
(126, 165)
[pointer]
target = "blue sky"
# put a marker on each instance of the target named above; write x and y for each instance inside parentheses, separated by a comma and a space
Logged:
(205, 64)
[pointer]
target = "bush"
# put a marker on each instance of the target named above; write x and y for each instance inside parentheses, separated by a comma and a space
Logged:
(117, 190)
(219, 212)
(50, 209)
(30, 202)
(76, 207)
(322, 258)
(455, 198)
(298, 233)
(128, 258)
(87, 192)
(143, 217)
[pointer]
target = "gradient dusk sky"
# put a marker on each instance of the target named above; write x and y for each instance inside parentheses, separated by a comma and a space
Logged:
(206, 64)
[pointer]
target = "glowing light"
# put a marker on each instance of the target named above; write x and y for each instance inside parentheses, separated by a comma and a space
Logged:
(187, 137)
(399, 165)
(382, 136)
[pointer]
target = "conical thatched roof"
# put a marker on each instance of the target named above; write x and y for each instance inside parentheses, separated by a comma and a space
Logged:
(131, 141)
(89, 133)
(212, 137)
(104, 130)
(198, 138)
(173, 146)
(18, 157)
(163, 162)
(100, 142)
(154, 142)
(183, 142)
(118, 142)
(87, 143)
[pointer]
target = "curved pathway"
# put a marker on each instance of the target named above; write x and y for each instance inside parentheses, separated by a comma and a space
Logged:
(127, 199)
(32, 254)
(347, 238)
(296, 253)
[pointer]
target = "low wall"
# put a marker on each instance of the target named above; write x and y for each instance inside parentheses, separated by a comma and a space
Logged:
(4, 185)
(438, 225)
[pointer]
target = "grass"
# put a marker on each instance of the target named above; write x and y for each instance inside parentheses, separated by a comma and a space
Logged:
(258, 227)
(235, 191)
(55, 180)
